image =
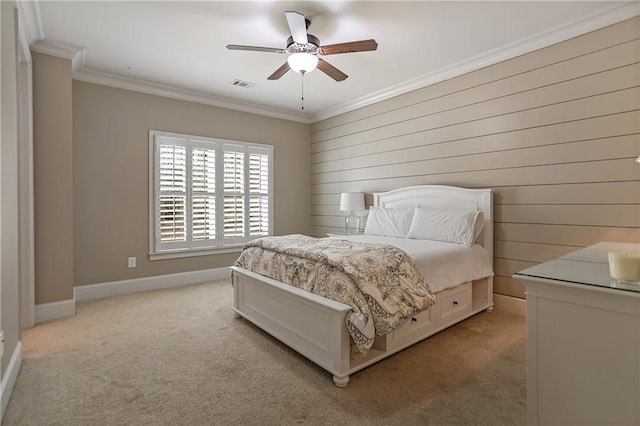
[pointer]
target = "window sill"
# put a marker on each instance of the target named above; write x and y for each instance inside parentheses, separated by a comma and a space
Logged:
(176, 254)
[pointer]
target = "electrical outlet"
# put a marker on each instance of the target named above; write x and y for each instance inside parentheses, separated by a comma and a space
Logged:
(132, 262)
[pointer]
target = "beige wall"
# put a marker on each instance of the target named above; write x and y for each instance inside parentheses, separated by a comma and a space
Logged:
(555, 132)
(53, 180)
(9, 222)
(111, 176)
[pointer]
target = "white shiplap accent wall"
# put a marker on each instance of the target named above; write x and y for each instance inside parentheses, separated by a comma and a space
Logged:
(555, 132)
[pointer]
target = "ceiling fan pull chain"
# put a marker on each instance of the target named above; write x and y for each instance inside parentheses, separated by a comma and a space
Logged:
(302, 97)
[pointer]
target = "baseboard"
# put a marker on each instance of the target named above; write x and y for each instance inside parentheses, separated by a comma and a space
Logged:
(10, 376)
(136, 285)
(54, 310)
(510, 304)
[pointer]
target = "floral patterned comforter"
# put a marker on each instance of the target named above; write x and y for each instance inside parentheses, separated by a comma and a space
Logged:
(380, 282)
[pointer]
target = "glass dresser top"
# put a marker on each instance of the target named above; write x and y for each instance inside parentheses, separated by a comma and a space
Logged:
(588, 266)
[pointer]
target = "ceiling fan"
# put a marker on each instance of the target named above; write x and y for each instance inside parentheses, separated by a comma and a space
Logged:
(305, 51)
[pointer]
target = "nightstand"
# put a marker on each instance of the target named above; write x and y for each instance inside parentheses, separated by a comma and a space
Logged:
(583, 345)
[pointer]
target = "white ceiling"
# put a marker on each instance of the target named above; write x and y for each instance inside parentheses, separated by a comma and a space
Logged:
(178, 47)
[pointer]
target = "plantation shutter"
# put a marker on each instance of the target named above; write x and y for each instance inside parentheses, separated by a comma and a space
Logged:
(172, 198)
(207, 194)
(234, 193)
(259, 191)
(203, 194)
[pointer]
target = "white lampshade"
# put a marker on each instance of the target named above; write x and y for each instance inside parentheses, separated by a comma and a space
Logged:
(350, 201)
(301, 61)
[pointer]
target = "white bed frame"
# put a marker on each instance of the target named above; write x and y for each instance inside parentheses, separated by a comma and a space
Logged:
(315, 326)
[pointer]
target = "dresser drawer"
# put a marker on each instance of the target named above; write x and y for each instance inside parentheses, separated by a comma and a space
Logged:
(412, 328)
(454, 303)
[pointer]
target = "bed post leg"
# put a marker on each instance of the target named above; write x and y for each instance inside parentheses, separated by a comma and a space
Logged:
(341, 382)
(236, 315)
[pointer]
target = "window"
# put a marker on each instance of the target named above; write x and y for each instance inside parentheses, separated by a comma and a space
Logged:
(207, 195)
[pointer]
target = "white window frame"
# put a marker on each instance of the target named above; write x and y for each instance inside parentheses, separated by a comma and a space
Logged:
(220, 245)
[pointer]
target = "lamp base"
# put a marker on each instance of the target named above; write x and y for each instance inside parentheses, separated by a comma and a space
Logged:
(352, 224)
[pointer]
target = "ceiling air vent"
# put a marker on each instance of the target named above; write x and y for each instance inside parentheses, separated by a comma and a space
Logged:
(244, 84)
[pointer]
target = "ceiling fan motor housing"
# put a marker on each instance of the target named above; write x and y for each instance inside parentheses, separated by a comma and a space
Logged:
(310, 47)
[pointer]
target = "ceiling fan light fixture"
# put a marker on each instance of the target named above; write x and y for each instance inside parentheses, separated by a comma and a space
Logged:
(302, 62)
(304, 50)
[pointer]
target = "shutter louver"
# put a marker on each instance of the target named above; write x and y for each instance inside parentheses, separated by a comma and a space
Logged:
(233, 171)
(173, 186)
(203, 190)
(258, 216)
(258, 173)
(172, 218)
(234, 199)
(259, 191)
(233, 216)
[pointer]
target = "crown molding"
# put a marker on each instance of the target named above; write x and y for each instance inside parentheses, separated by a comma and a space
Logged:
(30, 13)
(106, 79)
(24, 53)
(599, 19)
(72, 52)
(607, 16)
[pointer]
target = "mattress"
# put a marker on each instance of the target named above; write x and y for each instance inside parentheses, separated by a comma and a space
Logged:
(443, 265)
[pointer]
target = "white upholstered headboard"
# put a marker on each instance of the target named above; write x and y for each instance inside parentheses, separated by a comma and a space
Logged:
(446, 197)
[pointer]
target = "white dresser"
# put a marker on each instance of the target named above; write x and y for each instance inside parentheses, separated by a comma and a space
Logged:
(583, 341)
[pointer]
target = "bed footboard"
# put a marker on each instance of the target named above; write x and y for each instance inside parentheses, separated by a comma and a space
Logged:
(311, 325)
(315, 326)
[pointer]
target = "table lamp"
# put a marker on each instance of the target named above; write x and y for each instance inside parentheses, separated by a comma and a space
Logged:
(352, 201)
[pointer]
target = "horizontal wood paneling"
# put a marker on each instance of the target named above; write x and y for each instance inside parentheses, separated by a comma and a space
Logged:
(554, 132)
(419, 146)
(477, 122)
(586, 44)
(596, 171)
(577, 193)
(507, 267)
(589, 193)
(508, 286)
(620, 215)
(530, 252)
(574, 152)
(580, 235)
(559, 77)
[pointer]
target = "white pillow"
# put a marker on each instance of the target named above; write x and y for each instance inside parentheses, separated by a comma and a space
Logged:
(453, 226)
(393, 222)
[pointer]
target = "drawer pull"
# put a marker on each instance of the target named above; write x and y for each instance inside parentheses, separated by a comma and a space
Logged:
(455, 302)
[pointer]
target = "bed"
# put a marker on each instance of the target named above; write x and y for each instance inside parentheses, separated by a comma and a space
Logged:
(314, 326)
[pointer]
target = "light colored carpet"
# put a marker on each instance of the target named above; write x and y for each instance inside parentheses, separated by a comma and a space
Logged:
(178, 357)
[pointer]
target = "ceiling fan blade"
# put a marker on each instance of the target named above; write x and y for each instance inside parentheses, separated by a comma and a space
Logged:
(256, 48)
(279, 72)
(330, 70)
(298, 26)
(353, 46)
